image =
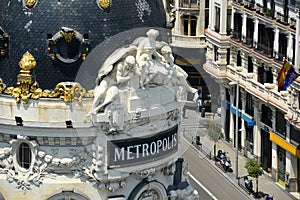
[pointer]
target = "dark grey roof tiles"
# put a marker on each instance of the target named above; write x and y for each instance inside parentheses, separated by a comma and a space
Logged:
(28, 29)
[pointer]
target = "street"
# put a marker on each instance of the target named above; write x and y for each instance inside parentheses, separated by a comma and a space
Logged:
(209, 178)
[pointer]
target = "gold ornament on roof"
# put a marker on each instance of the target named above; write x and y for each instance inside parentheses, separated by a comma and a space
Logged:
(2, 86)
(2, 52)
(68, 35)
(104, 4)
(68, 91)
(30, 3)
(27, 88)
(27, 62)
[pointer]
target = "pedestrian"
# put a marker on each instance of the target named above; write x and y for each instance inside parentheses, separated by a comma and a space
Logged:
(198, 100)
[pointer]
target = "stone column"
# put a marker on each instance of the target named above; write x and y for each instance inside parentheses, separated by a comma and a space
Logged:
(244, 57)
(291, 168)
(297, 53)
(223, 17)
(256, 128)
(232, 19)
(223, 109)
(243, 128)
(276, 42)
(275, 74)
(290, 46)
(255, 35)
(291, 163)
(233, 56)
(232, 116)
(288, 133)
(211, 23)
(201, 18)
(222, 56)
(244, 27)
(256, 65)
(209, 52)
(273, 117)
(177, 27)
(274, 161)
(189, 26)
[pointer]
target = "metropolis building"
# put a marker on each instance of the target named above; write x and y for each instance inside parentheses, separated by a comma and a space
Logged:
(247, 42)
(72, 123)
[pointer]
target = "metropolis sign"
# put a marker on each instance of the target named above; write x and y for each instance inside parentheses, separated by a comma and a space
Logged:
(123, 153)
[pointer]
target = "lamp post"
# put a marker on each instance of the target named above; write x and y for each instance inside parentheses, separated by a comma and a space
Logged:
(236, 126)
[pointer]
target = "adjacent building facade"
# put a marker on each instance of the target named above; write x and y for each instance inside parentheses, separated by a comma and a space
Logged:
(247, 42)
(74, 121)
(189, 43)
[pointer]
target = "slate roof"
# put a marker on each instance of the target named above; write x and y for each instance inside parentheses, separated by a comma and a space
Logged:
(28, 29)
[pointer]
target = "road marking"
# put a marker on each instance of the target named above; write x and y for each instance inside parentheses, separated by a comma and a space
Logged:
(203, 187)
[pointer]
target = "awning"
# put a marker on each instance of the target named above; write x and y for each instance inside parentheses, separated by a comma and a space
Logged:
(226, 105)
(249, 119)
(233, 110)
(284, 144)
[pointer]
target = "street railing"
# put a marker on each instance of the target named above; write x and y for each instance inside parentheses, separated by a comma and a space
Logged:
(201, 147)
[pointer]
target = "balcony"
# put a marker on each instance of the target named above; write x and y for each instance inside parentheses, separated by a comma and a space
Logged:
(293, 23)
(188, 41)
(281, 18)
(259, 9)
(237, 36)
(281, 56)
(266, 92)
(189, 5)
(249, 4)
(248, 42)
(240, 2)
(264, 49)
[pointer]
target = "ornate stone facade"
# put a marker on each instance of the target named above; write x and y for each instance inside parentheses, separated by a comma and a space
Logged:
(119, 141)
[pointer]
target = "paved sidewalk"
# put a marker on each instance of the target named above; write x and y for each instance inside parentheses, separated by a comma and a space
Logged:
(194, 124)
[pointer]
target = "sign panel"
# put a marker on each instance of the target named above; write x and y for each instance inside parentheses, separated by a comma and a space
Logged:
(133, 151)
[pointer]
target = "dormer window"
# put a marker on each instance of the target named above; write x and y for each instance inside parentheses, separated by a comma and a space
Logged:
(3, 43)
(68, 45)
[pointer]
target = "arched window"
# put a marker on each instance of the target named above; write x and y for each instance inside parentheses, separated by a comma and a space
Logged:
(67, 195)
(24, 155)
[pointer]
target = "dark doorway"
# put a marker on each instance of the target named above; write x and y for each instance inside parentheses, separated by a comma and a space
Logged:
(266, 150)
(239, 132)
(281, 165)
(227, 124)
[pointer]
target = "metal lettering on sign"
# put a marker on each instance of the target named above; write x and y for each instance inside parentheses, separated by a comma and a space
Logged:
(104, 4)
(129, 152)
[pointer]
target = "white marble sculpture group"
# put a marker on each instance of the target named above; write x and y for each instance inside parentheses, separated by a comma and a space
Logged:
(144, 62)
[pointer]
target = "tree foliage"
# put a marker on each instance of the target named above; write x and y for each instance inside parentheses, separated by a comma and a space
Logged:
(253, 168)
(214, 131)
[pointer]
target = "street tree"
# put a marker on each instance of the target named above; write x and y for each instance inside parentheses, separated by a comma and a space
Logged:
(254, 170)
(214, 133)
